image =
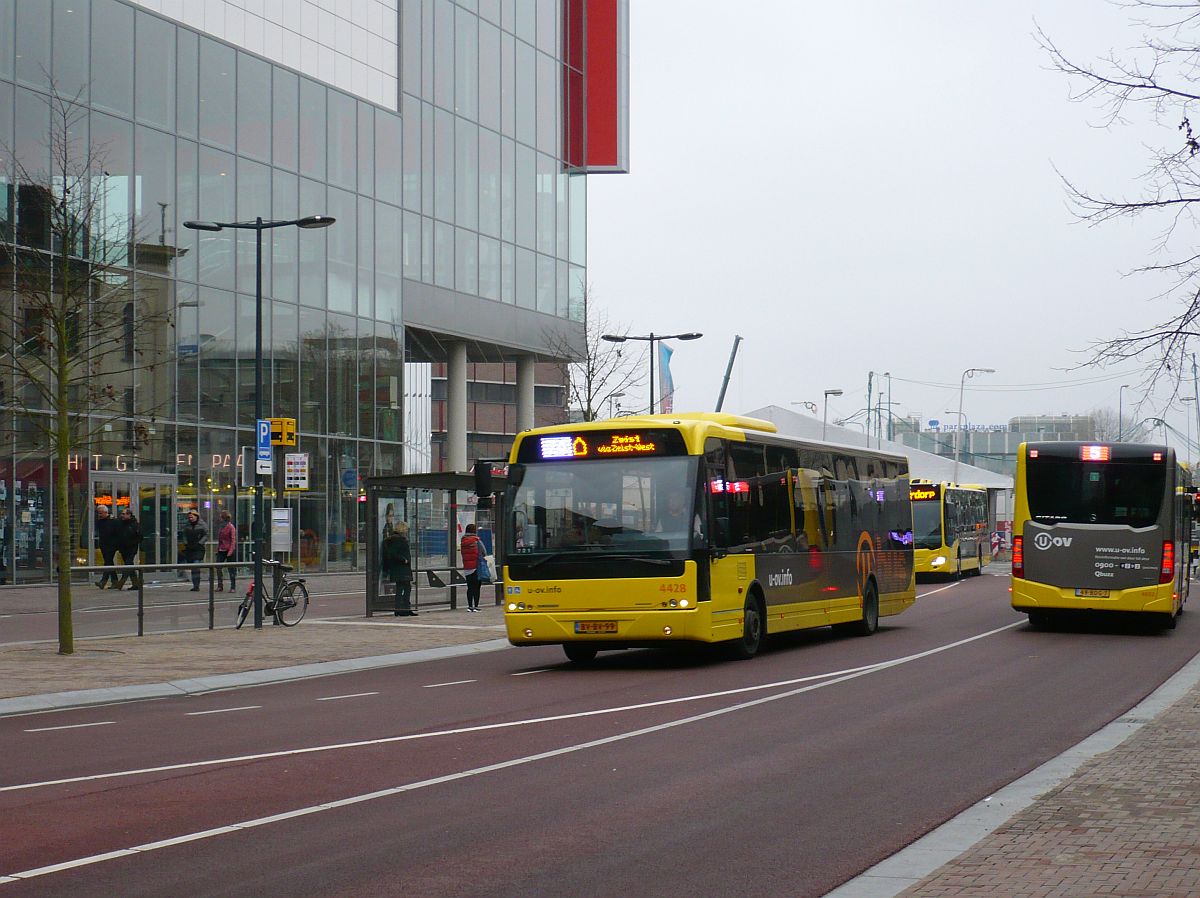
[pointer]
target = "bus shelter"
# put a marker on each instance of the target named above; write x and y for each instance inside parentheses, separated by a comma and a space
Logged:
(436, 507)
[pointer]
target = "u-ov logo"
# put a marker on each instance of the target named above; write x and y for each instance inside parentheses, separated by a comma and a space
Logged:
(1045, 541)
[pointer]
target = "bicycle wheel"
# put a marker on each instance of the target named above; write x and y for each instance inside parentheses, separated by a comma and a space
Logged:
(292, 604)
(242, 611)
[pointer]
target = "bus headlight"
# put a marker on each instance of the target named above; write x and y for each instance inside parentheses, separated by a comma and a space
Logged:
(938, 561)
(683, 603)
(512, 606)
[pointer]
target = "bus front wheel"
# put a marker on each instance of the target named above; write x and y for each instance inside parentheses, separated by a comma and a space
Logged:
(579, 653)
(752, 630)
(869, 622)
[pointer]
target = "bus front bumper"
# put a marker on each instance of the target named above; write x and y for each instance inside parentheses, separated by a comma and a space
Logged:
(613, 627)
(1030, 596)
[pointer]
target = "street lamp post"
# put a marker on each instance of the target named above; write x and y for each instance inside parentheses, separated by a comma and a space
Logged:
(970, 372)
(1188, 419)
(825, 415)
(650, 338)
(1121, 411)
(258, 226)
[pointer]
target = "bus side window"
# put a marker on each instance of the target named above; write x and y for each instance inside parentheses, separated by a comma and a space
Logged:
(805, 498)
(718, 497)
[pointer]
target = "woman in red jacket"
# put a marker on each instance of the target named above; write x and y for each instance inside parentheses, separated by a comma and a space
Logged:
(471, 548)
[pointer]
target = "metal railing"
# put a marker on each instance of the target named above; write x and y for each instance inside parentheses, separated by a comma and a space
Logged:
(137, 570)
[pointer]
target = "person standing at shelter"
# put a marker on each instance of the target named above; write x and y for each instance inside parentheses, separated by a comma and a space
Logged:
(129, 544)
(226, 551)
(471, 549)
(194, 535)
(107, 541)
(395, 561)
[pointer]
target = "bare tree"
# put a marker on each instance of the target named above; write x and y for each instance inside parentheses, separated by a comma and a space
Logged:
(607, 371)
(1156, 81)
(1105, 422)
(77, 329)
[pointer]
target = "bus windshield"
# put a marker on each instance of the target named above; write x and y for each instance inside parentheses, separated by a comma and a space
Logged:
(620, 506)
(927, 525)
(1067, 490)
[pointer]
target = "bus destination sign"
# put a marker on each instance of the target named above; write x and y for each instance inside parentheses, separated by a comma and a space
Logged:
(924, 492)
(596, 444)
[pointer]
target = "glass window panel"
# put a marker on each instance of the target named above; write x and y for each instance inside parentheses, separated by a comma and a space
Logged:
(411, 246)
(153, 197)
(466, 259)
(218, 90)
(526, 278)
(387, 265)
(285, 242)
(389, 375)
(490, 10)
(508, 269)
(366, 255)
(285, 356)
(342, 269)
(443, 255)
(312, 129)
(253, 200)
(426, 159)
(187, 83)
(187, 208)
(508, 190)
(443, 54)
(7, 30)
(508, 15)
(508, 85)
(285, 119)
(314, 356)
(411, 167)
(427, 50)
(187, 364)
(526, 76)
(154, 88)
(388, 149)
(466, 209)
(489, 76)
(489, 182)
(489, 268)
(526, 26)
(71, 49)
(546, 284)
(33, 26)
(466, 65)
(427, 250)
(244, 358)
(32, 130)
(547, 180)
(312, 245)
(343, 376)
(578, 219)
(342, 138)
(443, 172)
(218, 355)
(410, 42)
(112, 189)
(547, 104)
(576, 286)
(547, 26)
(253, 107)
(7, 188)
(218, 202)
(561, 186)
(366, 148)
(526, 196)
(562, 292)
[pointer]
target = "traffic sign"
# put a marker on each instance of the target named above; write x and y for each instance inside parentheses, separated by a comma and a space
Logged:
(264, 456)
(295, 471)
(283, 431)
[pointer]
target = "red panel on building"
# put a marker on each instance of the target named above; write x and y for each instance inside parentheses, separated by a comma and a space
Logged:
(596, 85)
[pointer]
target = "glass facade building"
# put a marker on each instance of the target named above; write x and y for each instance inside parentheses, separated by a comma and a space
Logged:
(431, 130)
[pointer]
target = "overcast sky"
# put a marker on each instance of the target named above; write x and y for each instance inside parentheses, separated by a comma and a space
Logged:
(871, 186)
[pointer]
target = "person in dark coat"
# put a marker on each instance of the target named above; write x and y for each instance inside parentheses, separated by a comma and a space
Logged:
(129, 543)
(395, 561)
(107, 541)
(194, 535)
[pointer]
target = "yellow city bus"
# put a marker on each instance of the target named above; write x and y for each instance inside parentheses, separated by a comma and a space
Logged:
(950, 528)
(1099, 527)
(700, 527)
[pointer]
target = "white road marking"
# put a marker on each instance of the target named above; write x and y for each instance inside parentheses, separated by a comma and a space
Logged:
(922, 595)
(334, 698)
(223, 710)
(73, 726)
(510, 724)
(525, 673)
(332, 622)
(501, 765)
(451, 683)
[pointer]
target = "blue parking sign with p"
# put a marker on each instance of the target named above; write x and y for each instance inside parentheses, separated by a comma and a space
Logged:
(263, 456)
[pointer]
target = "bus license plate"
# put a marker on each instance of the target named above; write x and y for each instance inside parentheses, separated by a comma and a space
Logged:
(595, 626)
(1092, 593)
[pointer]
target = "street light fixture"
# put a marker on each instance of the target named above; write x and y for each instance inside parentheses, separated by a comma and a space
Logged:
(310, 222)
(970, 372)
(1121, 410)
(811, 406)
(651, 338)
(1189, 430)
(825, 415)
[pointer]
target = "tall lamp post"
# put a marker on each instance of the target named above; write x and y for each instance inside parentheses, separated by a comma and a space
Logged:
(651, 338)
(1189, 430)
(970, 372)
(1121, 411)
(825, 415)
(258, 226)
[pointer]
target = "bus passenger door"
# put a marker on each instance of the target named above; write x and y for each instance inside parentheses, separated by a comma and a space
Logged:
(727, 572)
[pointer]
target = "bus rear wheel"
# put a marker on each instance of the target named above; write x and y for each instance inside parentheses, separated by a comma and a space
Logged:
(579, 652)
(753, 624)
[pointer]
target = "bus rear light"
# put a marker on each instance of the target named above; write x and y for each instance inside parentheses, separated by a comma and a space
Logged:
(666, 631)
(528, 634)
(1018, 557)
(1095, 453)
(1167, 572)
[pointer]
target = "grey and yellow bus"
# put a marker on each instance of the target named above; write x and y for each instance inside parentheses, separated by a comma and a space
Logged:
(1099, 527)
(702, 528)
(950, 528)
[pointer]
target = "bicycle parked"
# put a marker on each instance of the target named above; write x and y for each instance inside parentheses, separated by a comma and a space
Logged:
(288, 602)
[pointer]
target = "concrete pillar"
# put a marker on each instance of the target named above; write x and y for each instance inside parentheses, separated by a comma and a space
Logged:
(456, 407)
(525, 379)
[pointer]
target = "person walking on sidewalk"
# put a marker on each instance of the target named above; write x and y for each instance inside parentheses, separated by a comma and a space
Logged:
(395, 561)
(107, 541)
(471, 549)
(226, 551)
(129, 543)
(194, 535)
